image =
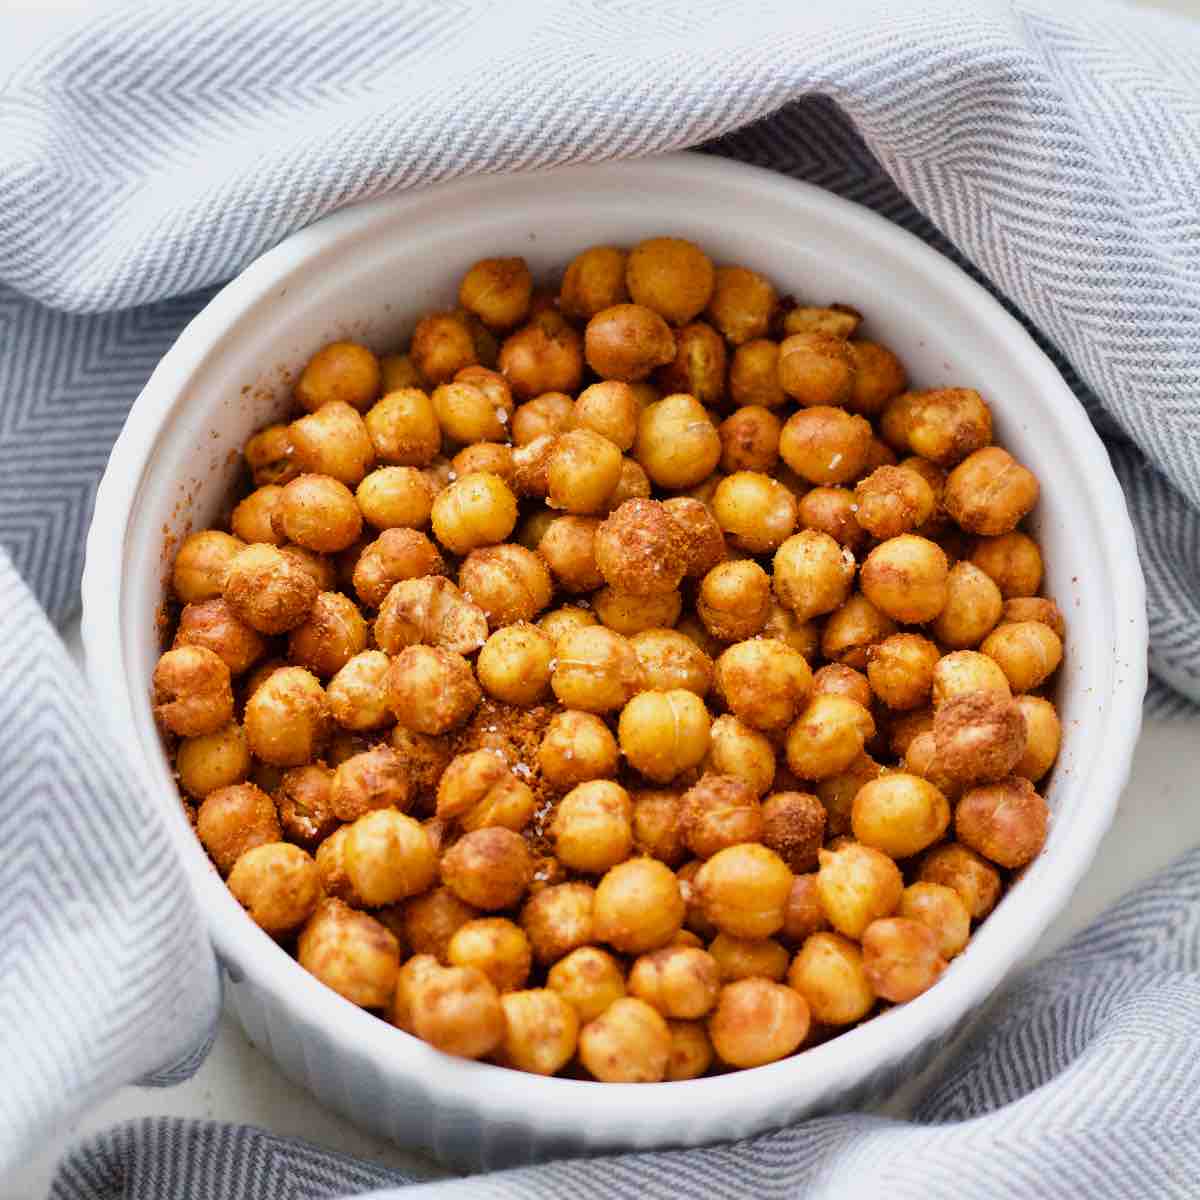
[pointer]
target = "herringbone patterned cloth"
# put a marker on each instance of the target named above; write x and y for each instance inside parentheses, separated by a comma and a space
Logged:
(1053, 150)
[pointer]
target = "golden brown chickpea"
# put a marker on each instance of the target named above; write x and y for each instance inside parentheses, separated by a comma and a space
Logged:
(490, 868)
(320, 569)
(268, 454)
(657, 828)
(457, 1010)
(838, 791)
(429, 610)
(693, 629)
(634, 484)
(922, 758)
(568, 547)
(742, 304)
(671, 276)
(838, 320)
(892, 501)
(803, 915)
(431, 690)
(468, 414)
(754, 375)
(408, 980)
(685, 937)
(628, 1043)
(543, 356)
(582, 471)
(597, 670)
(978, 736)
(677, 443)
(575, 748)
(944, 425)
(589, 979)
(836, 679)
(594, 280)
(318, 513)
(746, 958)
(744, 890)
(333, 441)
(750, 439)
(1033, 608)
(277, 884)
(671, 660)
(764, 682)
(966, 671)
(559, 919)
(332, 634)
(695, 917)
(754, 510)
(735, 748)
(287, 718)
(719, 811)
(677, 981)
(972, 877)
(398, 371)
(905, 577)
(691, 1050)
(832, 511)
(1028, 653)
(474, 510)
(351, 953)
(828, 972)
(813, 575)
(388, 855)
(698, 367)
(640, 550)
(900, 814)
(942, 911)
(626, 342)
(757, 1022)
(251, 518)
(431, 919)
(825, 445)
(852, 630)
(494, 946)
(856, 885)
(514, 664)
(900, 670)
(541, 1031)
(638, 906)
(341, 372)
(442, 344)
(404, 429)
(702, 540)
(395, 555)
(629, 615)
(816, 369)
(1004, 821)
(592, 827)
(664, 734)
(192, 692)
(1044, 736)
(494, 457)
(990, 492)
(973, 607)
(331, 866)
(784, 626)
(234, 819)
(497, 291)
(734, 600)
(794, 827)
(557, 623)
(509, 583)
(302, 796)
(827, 736)
(212, 761)
(901, 958)
(369, 780)
(547, 415)
(1013, 561)
(203, 563)
(610, 409)
(879, 377)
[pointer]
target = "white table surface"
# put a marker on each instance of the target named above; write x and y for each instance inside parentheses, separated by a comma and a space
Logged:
(1159, 817)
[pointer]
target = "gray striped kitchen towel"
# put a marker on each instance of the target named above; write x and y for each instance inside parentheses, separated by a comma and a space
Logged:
(1053, 149)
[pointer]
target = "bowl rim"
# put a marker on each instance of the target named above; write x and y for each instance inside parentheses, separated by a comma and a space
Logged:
(562, 1104)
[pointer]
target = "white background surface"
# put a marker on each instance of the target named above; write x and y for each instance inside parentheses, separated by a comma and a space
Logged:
(1159, 817)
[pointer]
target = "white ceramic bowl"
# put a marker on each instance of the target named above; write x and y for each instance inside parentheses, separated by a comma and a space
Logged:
(368, 272)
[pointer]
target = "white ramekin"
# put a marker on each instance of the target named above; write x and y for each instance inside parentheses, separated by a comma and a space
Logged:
(366, 272)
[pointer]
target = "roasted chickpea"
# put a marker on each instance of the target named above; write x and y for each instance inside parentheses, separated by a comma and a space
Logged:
(857, 884)
(838, 320)
(879, 377)
(372, 779)
(973, 607)
(837, 793)
(719, 811)
(737, 749)
(626, 342)
(702, 540)
(322, 570)
(388, 855)
(597, 670)
(559, 919)
(671, 660)
(589, 979)
(431, 690)
(1033, 608)
(468, 414)
(757, 1022)
(396, 555)
(1004, 821)
(514, 664)
(547, 415)
(582, 470)
(764, 682)
(233, 819)
(698, 924)
(892, 501)
(404, 429)
(341, 372)
(742, 304)
(638, 906)
(490, 868)
(575, 748)
(203, 563)
(251, 517)
(657, 826)
(509, 583)
(629, 615)
(754, 375)
(592, 827)
(396, 497)
(628, 1043)
(978, 736)
(494, 946)
(1013, 561)
(900, 815)
(610, 409)
(475, 510)
(1044, 736)
(557, 623)
(989, 492)
(803, 915)
(754, 510)
(351, 953)
(268, 454)
(431, 919)
(541, 1031)
(287, 718)
(812, 573)
(793, 825)
(816, 369)
(477, 790)
(691, 1050)
(333, 441)
(457, 1010)
(212, 761)
(429, 610)
(331, 635)
(318, 513)
(634, 484)
(398, 371)
(827, 736)
(1028, 653)
(825, 445)
(745, 958)
(693, 629)
(664, 734)
(494, 457)
(944, 425)
(734, 599)
(853, 629)
(442, 344)
(303, 799)
(677, 443)
(832, 511)
(828, 972)
(698, 367)
(497, 291)
(972, 877)
(640, 550)
(594, 280)
(743, 890)
(906, 578)
(966, 671)
(192, 692)
(671, 276)
(569, 549)
(900, 670)
(678, 981)
(942, 911)
(836, 679)
(277, 884)
(901, 958)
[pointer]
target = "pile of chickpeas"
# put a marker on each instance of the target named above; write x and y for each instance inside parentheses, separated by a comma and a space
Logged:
(633, 679)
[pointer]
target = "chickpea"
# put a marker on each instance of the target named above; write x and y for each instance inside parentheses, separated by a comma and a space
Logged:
(745, 958)
(1004, 821)
(333, 441)
(398, 371)
(638, 906)
(677, 981)
(331, 866)
(832, 511)
(836, 679)
(901, 958)
(569, 548)
(514, 664)
(442, 345)
(192, 692)
(966, 671)
(691, 1050)
(944, 425)
(277, 884)
(900, 815)
(541, 1031)
(698, 924)
(972, 877)
(589, 979)
(693, 629)
(764, 682)
(853, 629)
(703, 542)
(409, 980)
(990, 492)
(212, 761)
(478, 790)
(287, 718)
(657, 826)
(396, 497)
(738, 749)
(576, 747)
(1034, 608)
(594, 280)
(321, 570)
(757, 1022)
(268, 454)
(634, 484)
(892, 501)
(373, 779)
(677, 444)
(493, 457)
(431, 690)
(1028, 653)
(592, 827)
(1044, 736)
(793, 825)
(900, 670)
(559, 919)
(251, 517)
(719, 811)
(302, 796)
(827, 736)
(431, 919)
(698, 367)
(395, 555)
(629, 615)
(640, 550)
(351, 953)
(837, 793)
(509, 583)
(475, 510)
(234, 819)
(671, 660)
(557, 623)
(597, 671)
(467, 414)
(857, 884)
(429, 610)
(671, 276)
(628, 1043)
(825, 445)
(922, 758)
(803, 915)
(494, 946)
(816, 369)
(879, 377)
(404, 429)
(734, 600)
(756, 511)
(341, 372)
(318, 513)
(489, 868)
(742, 304)
(906, 578)
(973, 607)
(754, 375)
(838, 320)
(542, 357)
(664, 734)
(582, 470)
(942, 911)
(610, 409)
(497, 291)
(457, 1010)
(813, 574)
(1014, 563)
(828, 972)
(546, 415)
(744, 890)
(979, 736)
(626, 342)
(203, 563)
(331, 635)
(388, 855)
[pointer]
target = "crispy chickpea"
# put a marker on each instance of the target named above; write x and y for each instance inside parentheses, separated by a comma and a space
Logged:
(828, 972)
(664, 734)
(744, 890)
(989, 492)
(467, 414)
(825, 445)
(857, 884)
(442, 344)
(404, 429)
(793, 825)
(1013, 561)
(251, 517)
(597, 670)
(827, 736)
(192, 692)
(640, 550)
(900, 814)
(892, 501)
(559, 919)
(757, 1022)
(764, 682)
(901, 958)
(582, 470)
(369, 780)
(629, 615)
(626, 342)
(268, 454)
(396, 497)
(302, 796)
(490, 868)
(494, 946)
(388, 855)
(634, 484)
(514, 664)
(816, 369)
(702, 540)
(719, 811)
(971, 876)
(754, 510)
(803, 915)
(321, 569)
(972, 609)
(942, 911)
(966, 671)
(589, 979)
(813, 575)
(593, 281)
(409, 979)
(784, 626)
(657, 827)
(547, 415)
(569, 549)
(853, 629)
(398, 371)
(475, 510)
(1034, 608)
(234, 819)
(745, 958)
(350, 952)
(1004, 821)
(735, 748)
(341, 372)
(457, 1010)
(497, 291)
(592, 827)
(734, 599)
(694, 630)
(541, 1031)
(671, 660)
(203, 563)
(698, 367)
(906, 578)
(678, 981)
(900, 670)
(1028, 653)
(691, 1050)
(331, 635)
(754, 375)
(477, 789)
(922, 758)
(212, 761)
(838, 320)
(509, 583)
(836, 679)
(944, 425)
(575, 748)
(879, 377)
(742, 304)
(287, 718)
(978, 736)
(318, 513)
(431, 919)
(610, 409)
(277, 884)
(638, 906)
(431, 690)
(543, 356)
(832, 511)
(557, 623)
(429, 610)
(671, 276)
(677, 443)
(333, 441)
(494, 457)
(698, 924)
(628, 1043)
(1043, 737)
(837, 793)
(395, 555)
